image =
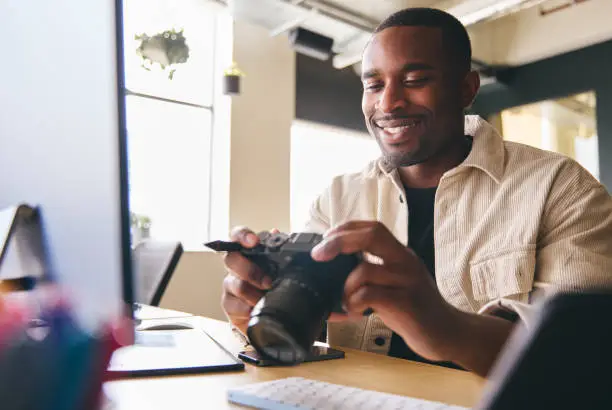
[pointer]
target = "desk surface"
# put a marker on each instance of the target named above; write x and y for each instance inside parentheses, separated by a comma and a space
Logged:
(358, 369)
(146, 312)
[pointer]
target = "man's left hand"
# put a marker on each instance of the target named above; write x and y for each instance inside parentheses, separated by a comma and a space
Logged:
(400, 290)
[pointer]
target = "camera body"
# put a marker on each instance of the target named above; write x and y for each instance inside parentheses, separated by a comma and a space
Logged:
(289, 317)
(287, 256)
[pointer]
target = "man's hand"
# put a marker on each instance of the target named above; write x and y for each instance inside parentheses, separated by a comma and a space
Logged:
(401, 291)
(404, 295)
(245, 283)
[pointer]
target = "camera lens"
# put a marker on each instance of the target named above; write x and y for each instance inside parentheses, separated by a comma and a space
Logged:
(287, 320)
(289, 317)
(274, 341)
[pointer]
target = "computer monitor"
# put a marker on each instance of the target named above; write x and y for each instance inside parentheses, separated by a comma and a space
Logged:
(63, 150)
(63, 143)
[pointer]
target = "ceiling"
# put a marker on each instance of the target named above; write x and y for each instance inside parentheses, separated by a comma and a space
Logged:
(378, 10)
(348, 24)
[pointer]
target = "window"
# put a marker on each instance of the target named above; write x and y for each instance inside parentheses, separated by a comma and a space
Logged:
(565, 125)
(318, 153)
(170, 118)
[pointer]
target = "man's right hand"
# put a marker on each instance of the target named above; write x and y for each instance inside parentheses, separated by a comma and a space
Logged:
(244, 283)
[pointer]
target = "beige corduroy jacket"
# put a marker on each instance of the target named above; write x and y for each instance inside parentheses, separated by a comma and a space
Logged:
(509, 221)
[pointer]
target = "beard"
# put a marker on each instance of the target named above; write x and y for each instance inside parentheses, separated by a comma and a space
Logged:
(397, 159)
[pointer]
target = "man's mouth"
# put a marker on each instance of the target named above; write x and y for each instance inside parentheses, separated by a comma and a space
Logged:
(399, 128)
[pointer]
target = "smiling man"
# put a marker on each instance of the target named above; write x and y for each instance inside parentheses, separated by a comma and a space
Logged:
(417, 81)
(463, 231)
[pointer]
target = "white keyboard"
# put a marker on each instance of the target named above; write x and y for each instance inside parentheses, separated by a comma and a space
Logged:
(296, 393)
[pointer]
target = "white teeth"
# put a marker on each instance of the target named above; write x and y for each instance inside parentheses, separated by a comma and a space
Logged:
(397, 130)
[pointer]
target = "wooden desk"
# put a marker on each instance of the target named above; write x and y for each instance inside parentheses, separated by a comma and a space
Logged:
(146, 312)
(358, 369)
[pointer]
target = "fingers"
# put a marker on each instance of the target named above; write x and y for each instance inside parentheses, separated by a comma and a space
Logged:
(244, 236)
(235, 308)
(360, 236)
(378, 298)
(243, 290)
(371, 274)
(245, 284)
(246, 270)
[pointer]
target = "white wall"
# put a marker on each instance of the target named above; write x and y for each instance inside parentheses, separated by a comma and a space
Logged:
(258, 151)
(261, 130)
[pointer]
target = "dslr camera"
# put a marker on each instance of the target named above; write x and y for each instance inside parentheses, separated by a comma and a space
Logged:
(288, 319)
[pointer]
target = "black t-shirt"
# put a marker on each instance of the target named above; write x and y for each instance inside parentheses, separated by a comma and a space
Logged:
(420, 203)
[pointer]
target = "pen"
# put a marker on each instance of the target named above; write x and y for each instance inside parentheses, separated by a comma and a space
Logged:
(13, 317)
(24, 283)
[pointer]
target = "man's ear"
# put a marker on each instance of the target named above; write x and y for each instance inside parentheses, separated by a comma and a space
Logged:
(471, 85)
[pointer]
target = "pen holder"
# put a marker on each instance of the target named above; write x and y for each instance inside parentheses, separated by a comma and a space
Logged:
(51, 362)
(47, 360)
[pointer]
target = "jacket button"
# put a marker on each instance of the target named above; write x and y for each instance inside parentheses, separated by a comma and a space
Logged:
(379, 341)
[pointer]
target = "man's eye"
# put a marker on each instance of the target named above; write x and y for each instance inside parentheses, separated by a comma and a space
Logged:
(415, 82)
(372, 86)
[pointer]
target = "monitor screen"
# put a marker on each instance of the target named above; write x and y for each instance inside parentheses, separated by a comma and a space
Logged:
(63, 144)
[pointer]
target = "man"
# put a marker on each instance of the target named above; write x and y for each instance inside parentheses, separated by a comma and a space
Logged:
(509, 223)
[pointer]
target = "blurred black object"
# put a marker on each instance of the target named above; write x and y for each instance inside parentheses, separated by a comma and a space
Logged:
(311, 44)
(562, 362)
(154, 263)
(289, 318)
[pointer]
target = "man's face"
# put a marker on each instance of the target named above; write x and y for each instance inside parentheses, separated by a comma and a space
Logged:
(412, 94)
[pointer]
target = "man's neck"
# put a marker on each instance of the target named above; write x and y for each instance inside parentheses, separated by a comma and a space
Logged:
(429, 173)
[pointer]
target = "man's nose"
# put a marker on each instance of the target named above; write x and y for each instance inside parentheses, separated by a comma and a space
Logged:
(392, 98)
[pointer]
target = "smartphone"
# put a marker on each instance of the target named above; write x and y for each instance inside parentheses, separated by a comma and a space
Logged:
(317, 353)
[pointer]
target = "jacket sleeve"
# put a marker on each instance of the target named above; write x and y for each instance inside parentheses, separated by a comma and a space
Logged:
(319, 217)
(574, 249)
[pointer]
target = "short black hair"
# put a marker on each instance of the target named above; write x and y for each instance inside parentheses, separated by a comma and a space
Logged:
(454, 35)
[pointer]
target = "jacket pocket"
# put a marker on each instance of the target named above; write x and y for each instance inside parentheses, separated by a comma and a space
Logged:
(506, 273)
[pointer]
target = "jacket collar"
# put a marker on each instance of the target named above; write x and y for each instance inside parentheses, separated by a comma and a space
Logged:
(487, 154)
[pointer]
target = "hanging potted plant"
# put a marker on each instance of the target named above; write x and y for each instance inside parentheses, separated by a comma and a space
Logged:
(140, 227)
(165, 49)
(231, 80)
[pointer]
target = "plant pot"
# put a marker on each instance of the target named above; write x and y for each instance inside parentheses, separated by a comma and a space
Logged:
(231, 84)
(145, 232)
